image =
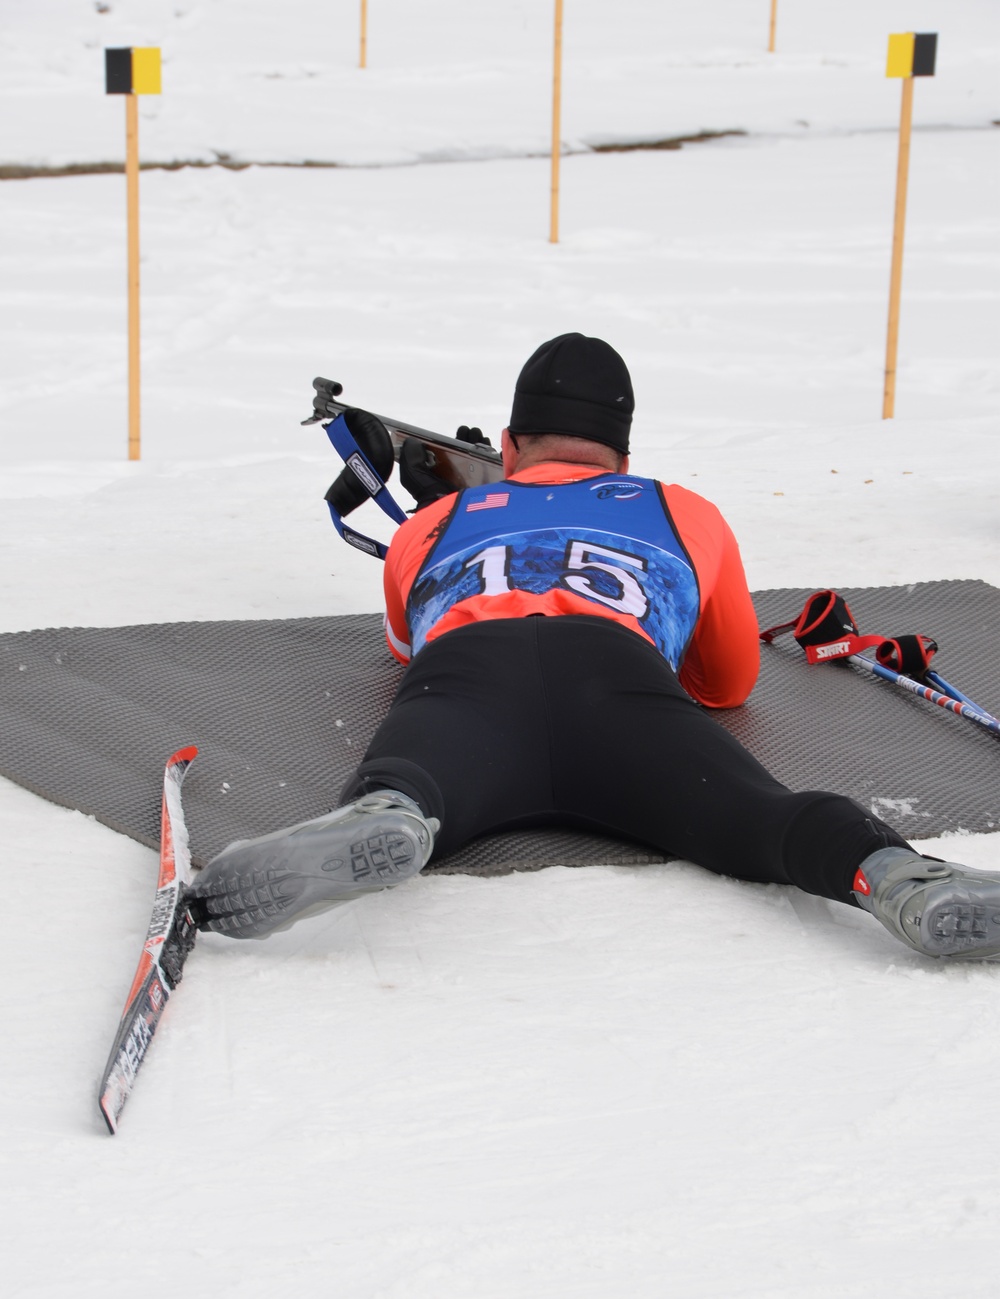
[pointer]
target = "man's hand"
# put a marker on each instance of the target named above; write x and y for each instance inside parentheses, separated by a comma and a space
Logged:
(416, 474)
(475, 436)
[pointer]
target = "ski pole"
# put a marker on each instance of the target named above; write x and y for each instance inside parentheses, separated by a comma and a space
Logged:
(925, 692)
(826, 630)
(947, 688)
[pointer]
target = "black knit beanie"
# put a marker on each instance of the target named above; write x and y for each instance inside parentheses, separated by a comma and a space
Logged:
(576, 386)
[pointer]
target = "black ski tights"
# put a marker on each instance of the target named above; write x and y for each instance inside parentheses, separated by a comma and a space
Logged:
(577, 721)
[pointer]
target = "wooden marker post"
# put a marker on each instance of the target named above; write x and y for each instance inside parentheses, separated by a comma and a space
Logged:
(556, 125)
(773, 27)
(132, 72)
(363, 60)
(132, 204)
(911, 54)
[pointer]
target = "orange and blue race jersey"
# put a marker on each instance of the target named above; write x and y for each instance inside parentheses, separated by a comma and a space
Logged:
(568, 539)
(607, 540)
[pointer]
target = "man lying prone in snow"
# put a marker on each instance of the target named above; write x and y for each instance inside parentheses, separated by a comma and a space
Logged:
(566, 630)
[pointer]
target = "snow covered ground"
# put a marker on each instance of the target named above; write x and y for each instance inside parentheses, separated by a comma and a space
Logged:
(639, 1082)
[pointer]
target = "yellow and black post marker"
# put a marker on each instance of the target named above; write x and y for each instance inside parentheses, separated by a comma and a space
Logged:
(131, 72)
(911, 54)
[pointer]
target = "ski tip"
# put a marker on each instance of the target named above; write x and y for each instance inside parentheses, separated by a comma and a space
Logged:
(112, 1102)
(187, 754)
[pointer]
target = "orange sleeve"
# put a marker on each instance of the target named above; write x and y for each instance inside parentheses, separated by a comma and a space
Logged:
(407, 551)
(723, 658)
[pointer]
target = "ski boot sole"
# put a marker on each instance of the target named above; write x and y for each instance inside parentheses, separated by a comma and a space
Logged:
(954, 919)
(257, 886)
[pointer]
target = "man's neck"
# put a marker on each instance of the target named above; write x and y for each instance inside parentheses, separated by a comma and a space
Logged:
(531, 461)
(556, 471)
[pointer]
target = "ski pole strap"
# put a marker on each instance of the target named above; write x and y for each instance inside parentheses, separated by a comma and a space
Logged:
(355, 459)
(825, 629)
(910, 655)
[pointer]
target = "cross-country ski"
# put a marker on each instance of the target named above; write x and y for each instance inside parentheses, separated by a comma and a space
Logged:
(169, 940)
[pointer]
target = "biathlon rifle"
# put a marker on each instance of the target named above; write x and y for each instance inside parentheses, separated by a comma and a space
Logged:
(463, 464)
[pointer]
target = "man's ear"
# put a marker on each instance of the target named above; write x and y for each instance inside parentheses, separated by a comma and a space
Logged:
(508, 451)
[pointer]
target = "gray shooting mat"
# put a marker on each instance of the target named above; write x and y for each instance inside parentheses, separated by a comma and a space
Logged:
(282, 711)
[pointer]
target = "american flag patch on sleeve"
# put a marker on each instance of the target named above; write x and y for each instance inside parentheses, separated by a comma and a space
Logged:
(491, 501)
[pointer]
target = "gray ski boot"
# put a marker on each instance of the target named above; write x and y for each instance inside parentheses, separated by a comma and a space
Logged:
(255, 887)
(937, 908)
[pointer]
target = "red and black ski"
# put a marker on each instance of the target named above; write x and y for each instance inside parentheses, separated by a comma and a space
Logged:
(170, 938)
